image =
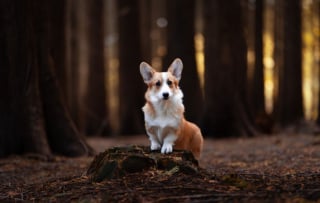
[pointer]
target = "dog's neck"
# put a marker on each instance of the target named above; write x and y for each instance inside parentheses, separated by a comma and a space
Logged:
(171, 107)
(168, 108)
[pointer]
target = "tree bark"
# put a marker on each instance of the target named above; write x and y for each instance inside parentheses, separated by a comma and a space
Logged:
(180, 44)
(256, 85)
(131, 85)
(96, 119)
(72, 61)
(226, 107)
(145, 29)
(25, 124)
(38, 121)
(258, 76)
(288, 107)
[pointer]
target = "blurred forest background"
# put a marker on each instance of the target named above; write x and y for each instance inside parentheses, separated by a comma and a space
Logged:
(71, 67)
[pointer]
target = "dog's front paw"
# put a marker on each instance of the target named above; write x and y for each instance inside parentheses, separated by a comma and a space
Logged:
(166, 148)
(155, 146)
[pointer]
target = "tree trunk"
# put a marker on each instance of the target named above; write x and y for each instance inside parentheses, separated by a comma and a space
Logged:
(25, 124)
(131, 85)
(256, 97)
(289, 108)
(77, 59)
(57, 36)
(317, 12)
(258, 76)
(96, 120)
(145, 29)
(226, 108)
(72, 52)
(180, 44)
(36, 118)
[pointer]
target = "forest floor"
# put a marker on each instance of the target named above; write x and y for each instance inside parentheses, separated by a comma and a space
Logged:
(278, 168)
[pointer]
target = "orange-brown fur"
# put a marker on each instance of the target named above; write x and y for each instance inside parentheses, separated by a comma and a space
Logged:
(189, 138)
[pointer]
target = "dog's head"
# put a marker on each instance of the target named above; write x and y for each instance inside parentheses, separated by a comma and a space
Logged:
(162, 86)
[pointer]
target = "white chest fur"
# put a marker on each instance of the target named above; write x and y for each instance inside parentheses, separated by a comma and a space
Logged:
(165, 119)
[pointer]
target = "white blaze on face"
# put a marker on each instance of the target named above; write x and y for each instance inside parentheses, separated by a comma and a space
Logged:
(165, 88)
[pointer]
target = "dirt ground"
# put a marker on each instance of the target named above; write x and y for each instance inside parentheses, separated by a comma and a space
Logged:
(278, 168)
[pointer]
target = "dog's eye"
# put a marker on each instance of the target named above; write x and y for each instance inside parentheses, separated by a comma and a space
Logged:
(169, 82)
(158, 83)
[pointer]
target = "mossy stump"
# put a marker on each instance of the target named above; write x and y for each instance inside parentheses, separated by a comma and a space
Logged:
(116, 162)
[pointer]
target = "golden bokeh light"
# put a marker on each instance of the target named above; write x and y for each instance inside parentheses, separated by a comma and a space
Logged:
(199, 46)
(310, 69)
(268, 60)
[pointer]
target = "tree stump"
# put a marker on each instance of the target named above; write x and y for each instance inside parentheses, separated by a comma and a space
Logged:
(116, 162)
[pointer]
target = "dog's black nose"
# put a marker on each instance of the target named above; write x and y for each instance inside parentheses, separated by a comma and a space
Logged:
(165, 95)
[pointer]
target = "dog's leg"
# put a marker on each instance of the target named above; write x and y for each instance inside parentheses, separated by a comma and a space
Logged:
(152, 133)
(155, 144)
(168, 143)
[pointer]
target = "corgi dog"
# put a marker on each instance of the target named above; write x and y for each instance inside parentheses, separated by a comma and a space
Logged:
(164, 111)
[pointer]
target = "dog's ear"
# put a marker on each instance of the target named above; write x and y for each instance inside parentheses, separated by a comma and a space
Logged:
(176, 68)
(146, 71)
